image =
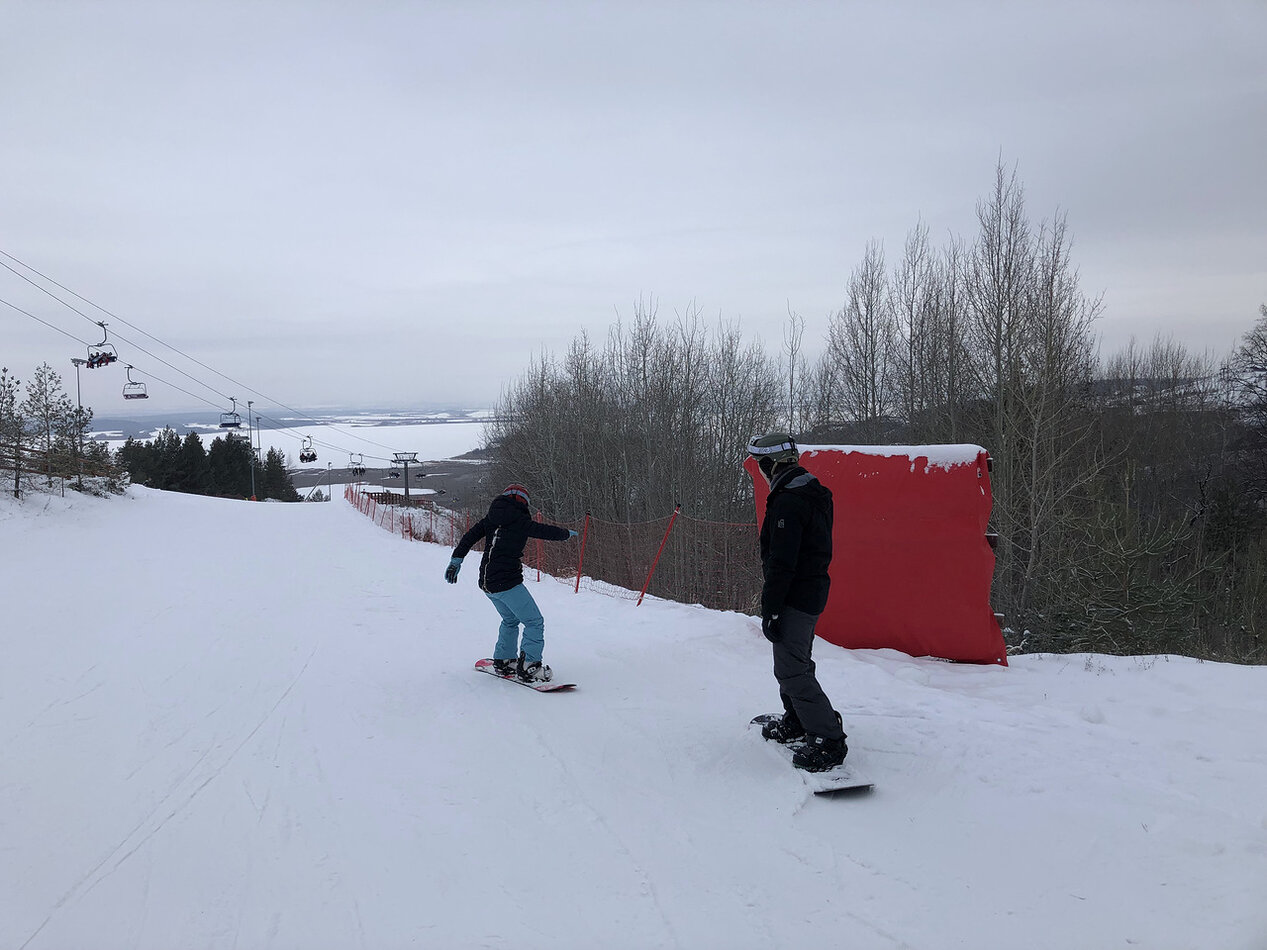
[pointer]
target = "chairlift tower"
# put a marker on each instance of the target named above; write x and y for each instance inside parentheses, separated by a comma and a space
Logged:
(404, 458)
(79, 421)
(250, 434)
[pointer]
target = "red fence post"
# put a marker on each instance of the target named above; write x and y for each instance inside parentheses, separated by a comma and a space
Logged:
(663, 541)
(585, 531)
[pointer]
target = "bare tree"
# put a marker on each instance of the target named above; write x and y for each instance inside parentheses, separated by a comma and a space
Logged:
(659, 417)
(1054, 416)
(948, 328)
(861, 341)
(13, 427)
(916, 358)
(998, 274)
(999, 271)
(818, 390)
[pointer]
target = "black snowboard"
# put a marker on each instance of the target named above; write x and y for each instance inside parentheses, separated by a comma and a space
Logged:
(843, 778)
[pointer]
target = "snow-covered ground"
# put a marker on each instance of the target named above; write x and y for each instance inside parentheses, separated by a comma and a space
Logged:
(226, 725)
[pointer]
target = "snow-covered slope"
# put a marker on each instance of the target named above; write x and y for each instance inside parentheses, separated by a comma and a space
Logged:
(235, 725)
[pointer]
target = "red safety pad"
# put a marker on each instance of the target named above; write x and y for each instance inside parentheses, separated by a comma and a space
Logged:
(911, 566)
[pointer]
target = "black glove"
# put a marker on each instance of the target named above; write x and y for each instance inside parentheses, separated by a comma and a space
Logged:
(451, 572)
(770, 627)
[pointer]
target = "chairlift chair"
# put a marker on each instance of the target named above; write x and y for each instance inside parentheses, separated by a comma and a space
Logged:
(231, 419)
(133, 389)
(307, 453)
(103, 354)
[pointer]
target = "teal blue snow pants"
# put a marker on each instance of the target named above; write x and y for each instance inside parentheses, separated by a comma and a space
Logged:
(517, 607)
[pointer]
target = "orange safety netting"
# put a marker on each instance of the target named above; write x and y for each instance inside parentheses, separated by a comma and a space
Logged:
(676, 557)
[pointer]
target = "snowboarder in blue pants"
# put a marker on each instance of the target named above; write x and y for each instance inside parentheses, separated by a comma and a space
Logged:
(505, 531)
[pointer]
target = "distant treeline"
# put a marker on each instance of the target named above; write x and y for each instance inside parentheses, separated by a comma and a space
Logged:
(174, 464)
(1130, 492)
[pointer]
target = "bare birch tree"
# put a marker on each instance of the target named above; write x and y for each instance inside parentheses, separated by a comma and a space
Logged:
(1054, 416)
(861, 342)
(794, 371)
(916, 358)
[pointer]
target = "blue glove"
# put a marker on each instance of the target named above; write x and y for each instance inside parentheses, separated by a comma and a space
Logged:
(571, 534)
(451, 572)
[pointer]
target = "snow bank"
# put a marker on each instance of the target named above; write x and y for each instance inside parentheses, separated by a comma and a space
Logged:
(935, 456)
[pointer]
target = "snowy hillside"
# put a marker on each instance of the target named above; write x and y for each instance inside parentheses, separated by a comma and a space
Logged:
(256, 725)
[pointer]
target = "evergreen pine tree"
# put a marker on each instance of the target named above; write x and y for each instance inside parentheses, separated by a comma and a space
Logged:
(165, 459)
(276, 482)
(229, 462)
(193, 473)
(136, 459)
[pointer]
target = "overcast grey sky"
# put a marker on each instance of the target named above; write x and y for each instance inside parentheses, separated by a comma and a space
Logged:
(401, 202)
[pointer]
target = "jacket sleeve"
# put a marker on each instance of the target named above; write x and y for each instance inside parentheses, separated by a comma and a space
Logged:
(474, 535)
(786, 521)
(547, 532)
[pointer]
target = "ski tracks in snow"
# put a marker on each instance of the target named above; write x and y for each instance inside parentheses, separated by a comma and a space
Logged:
(176, 800)
(648, 885)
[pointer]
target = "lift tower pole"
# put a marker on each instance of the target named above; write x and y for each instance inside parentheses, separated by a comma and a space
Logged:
(79, 419)
(250, 443)
(404, 458)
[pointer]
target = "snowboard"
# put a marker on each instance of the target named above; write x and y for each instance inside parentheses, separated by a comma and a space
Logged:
(486, 666)
(843, 778)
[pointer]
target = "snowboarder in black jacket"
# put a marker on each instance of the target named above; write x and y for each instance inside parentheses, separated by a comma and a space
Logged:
(795, 556)
(505, 531)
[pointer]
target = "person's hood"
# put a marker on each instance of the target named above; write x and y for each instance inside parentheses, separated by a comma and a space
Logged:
(797, 480)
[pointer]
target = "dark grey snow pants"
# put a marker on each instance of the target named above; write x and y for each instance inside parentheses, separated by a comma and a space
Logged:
(794, 669)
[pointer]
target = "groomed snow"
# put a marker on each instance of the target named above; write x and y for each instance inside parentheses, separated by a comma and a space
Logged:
(226, 725)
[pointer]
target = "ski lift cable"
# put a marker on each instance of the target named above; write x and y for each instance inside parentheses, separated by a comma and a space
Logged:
(159, 379)
(85, 343)
(147, 353)
(289, 432)
(45, 322)
(117, 335)
(152, 376)
(174, 349)
(45, 290)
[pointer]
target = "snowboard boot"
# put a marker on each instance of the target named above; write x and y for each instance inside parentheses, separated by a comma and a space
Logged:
(819, 753)
(505, 667)
(785, 730)
(536, 672)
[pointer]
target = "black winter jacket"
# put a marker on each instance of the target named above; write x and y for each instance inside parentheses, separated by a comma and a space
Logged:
(505, 531)
(796, 544)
